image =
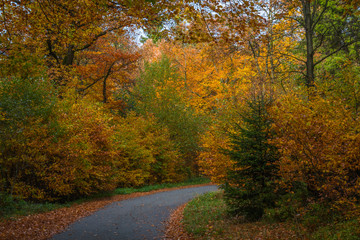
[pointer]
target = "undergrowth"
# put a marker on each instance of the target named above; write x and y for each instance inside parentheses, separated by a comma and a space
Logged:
(206, 217)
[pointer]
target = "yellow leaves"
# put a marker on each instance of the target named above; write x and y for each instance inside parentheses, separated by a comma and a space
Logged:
(317, 140)
(146, 152)
(70, 155)
(213, 163)
(208, 75)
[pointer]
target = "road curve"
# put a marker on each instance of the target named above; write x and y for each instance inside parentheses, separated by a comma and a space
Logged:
(132, 219)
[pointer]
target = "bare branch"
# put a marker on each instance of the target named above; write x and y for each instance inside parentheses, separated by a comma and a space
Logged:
(321, 42)
(51, 51)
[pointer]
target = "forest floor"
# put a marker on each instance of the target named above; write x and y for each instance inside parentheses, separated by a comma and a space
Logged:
(45, 225)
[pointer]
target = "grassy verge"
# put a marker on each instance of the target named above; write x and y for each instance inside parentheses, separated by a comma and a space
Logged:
(193, 181)
(204, 215)
(206, 218)
(10, 207)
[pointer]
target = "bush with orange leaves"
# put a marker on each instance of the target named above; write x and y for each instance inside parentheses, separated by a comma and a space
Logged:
(319, 142)
(67, 155)
(212, 161)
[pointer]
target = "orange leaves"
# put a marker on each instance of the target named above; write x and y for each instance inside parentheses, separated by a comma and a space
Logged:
(106, 66)
(53, 34)
(210, 77)
(317, 140)
(212, 161)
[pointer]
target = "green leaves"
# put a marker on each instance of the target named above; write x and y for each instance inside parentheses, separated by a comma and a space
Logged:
(23, 99)
(158, 93)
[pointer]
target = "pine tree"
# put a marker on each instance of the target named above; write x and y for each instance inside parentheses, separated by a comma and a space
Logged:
(250, 187)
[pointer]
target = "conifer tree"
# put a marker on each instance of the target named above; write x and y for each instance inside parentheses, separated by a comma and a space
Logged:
(249, 187)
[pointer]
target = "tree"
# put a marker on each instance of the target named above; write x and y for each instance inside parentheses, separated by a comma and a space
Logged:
(249, 186)
(329, 26)
(106, 65)
(58, 31)
(156, 93)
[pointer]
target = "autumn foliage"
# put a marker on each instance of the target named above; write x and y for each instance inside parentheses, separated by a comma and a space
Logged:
(318, 139)
(86, 108)
(71, 148)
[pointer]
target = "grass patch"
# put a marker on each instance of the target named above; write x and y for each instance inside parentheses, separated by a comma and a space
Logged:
(11, 207)
(203, 216)
(347, 230)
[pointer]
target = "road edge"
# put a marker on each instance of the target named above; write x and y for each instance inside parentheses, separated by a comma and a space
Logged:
(43, 226)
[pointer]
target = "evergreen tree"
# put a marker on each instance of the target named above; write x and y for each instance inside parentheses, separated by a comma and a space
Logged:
(250, 187)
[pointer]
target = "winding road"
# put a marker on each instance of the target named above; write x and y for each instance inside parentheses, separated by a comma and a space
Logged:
(132, 219)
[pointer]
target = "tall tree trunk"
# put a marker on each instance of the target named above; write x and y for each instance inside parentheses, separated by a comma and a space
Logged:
(309, 32)
(104, 82)
(271, 51)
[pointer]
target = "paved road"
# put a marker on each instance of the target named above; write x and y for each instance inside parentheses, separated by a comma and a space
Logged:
(136, 218)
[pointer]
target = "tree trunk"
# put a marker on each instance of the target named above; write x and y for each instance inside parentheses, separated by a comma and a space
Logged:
(69, 58)
(309, 32)
(104, 91)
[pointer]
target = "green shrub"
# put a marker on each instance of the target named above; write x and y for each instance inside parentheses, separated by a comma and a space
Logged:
(11, 206)
(289, 206)
(317, 215)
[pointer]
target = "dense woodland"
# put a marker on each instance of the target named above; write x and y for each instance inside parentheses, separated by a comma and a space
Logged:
(261, 96)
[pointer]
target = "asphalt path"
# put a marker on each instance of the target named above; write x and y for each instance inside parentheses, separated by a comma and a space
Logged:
(136, 218)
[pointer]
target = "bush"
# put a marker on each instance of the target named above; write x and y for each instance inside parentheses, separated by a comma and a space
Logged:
(78, 152)
(319, 142)
(290, 205)
(27, 105)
